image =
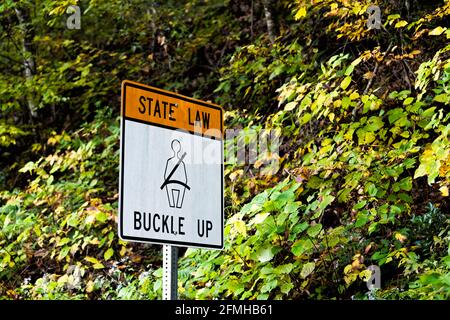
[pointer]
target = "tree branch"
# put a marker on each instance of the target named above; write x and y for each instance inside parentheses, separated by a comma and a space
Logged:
(28, 54)
(271, 25)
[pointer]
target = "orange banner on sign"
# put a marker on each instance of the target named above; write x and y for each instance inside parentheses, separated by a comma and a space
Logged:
(171, 110)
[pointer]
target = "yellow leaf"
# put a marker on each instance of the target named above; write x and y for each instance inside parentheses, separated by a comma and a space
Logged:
(98, 266)
(90, 286)
(348, 268)
(234, 175)
(444, 191)
(258, 163)
(437, 31)
(94, 241)
(240, 227)
(290, 106)
(369, 75)
(365, 275)
(63, 279)
(400, 237)
(331, 116)
(354, 95)
(91, 260)
(346, 82)
(300, 13)
(401, 24)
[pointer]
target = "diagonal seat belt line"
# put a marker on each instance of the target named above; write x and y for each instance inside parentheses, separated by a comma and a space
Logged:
(173, 171)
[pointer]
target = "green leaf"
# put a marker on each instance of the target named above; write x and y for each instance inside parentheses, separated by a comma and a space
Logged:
(365, 137)
(158, 273)
(420, 171)
(265, 254)
(362, 220)
(101, 216)
(64, 252)
(374, 124)
(62, 242)
(108, 254)
(406, 184)
(395, 210)
(372, 190)
(301, 246)
(373, 227)
(307, 269)
(346, 101)
(284, 269)
(286, 287)
(314, 230)
(98, 266)
(291, 207)
(157, 285)
(349, 70)
(305, 118)
(327, 200)
(408, 101)
(269, 286)
(277, 71)
(360, 205)
(30, 166)
(300, 227)
(442, 98)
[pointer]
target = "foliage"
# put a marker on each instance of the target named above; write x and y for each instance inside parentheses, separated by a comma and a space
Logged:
(363, 168)
(363, 150)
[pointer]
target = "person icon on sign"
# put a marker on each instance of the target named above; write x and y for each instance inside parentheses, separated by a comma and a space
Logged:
(175, 177)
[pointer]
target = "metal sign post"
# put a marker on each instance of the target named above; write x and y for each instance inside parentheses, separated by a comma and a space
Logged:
(170, 272)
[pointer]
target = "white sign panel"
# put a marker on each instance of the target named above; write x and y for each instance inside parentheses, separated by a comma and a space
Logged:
(171, 179)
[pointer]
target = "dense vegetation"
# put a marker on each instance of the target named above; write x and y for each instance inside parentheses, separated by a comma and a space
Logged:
(363, 168)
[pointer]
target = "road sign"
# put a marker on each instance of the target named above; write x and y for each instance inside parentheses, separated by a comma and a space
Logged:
(171, 169)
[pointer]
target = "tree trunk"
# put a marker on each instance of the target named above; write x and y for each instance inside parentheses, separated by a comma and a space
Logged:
(27, 54)
(270, 20)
